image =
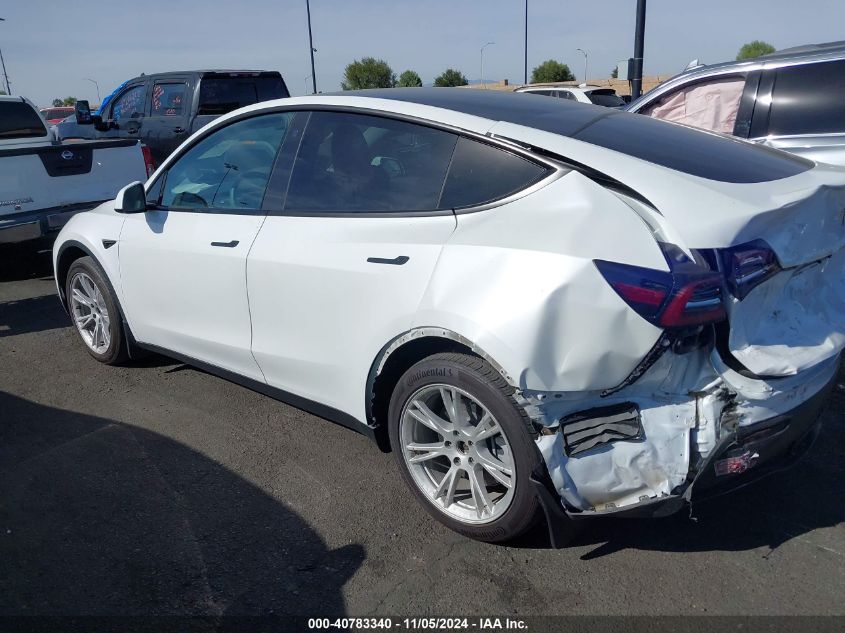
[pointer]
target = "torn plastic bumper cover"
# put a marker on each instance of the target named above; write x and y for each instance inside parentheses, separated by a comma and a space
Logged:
(741, 456)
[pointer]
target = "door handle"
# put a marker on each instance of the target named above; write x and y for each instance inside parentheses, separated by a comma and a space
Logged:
(396, 261)
(178, 130)
(231, 244)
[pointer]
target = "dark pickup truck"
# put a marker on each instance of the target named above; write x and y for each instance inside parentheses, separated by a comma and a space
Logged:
(163, 109)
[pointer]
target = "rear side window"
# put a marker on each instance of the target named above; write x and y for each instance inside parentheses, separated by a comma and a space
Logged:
(606, 97)
(19, 120)
(481, 173)
(354, 163)
(688, 150)
(808, 99)
(168, 99)
(219, 95)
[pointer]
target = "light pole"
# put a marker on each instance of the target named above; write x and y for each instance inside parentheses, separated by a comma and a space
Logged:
(311, 48)
(584, 53)
(484, 85)
(525, 58)
(96, 85)
(639, 41)
(3, 64)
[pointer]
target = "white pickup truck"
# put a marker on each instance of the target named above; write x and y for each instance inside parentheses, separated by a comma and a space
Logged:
(44, 182)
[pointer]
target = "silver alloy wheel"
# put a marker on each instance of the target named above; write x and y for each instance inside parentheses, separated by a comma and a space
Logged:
(457, 454)
(89, 312)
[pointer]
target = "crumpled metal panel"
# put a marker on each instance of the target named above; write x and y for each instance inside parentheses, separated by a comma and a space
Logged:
(519, 281)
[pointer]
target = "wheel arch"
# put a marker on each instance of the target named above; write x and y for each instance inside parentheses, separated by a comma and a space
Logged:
(398, 356)
(69, 252)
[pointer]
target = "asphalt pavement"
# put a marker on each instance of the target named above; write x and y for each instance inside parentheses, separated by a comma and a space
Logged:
(159, 489)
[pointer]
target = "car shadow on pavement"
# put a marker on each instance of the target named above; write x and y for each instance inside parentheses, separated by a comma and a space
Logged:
(102, 518)
(30, 260)
(792, 504)
(35, 314)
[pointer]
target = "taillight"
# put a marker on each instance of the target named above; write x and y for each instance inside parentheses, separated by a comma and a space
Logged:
(748, 265)
(686, 295)
(149, 164)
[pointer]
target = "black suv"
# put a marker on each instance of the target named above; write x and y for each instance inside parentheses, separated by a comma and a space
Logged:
(163, 109)
(792, 99)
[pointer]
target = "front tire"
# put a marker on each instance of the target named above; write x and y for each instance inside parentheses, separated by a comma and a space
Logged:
(465, 447)
(93, 309)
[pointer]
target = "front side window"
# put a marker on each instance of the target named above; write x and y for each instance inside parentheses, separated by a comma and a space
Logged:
(360, 163)
(130, 104)
(808, 99)
(229, 168)
(481, 173)
(709, 105)
(168, 99)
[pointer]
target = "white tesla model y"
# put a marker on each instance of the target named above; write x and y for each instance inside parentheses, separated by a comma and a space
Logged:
(536, 304)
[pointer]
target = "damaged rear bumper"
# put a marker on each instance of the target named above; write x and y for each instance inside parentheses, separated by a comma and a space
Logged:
(742, 456)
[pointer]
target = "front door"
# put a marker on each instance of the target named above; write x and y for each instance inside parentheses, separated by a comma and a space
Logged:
(183, 263)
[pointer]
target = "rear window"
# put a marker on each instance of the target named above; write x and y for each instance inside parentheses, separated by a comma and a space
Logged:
(480, 173)
(607, 98)
(19, 120)
(691, 151)
(219, 95)
(808, 99)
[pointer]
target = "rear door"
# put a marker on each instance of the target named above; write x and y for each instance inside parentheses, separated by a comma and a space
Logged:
(183, 263)
(801, 109)
(353, 232)
(167, 124)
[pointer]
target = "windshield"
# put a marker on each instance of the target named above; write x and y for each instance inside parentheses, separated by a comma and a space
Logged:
(606, 97)
(19, 120)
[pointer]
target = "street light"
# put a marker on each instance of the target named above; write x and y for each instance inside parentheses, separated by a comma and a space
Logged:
(584, 53)
(484, 85)
(96, 85)
(3, 64)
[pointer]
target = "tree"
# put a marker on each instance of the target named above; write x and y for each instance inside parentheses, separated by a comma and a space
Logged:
(550, 71)
(69, 101)
(449, 78)
(58, 103)
(2, 92)
(754, 49)
(369, 72)
(615, 73)
(409, 79)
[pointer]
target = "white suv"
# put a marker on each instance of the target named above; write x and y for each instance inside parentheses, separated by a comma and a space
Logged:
(538, 303)
(582, 93)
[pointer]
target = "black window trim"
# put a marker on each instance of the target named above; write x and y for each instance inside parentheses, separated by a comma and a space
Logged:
(554, 169)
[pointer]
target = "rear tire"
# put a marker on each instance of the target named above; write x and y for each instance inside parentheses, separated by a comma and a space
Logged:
(94, 311)
(464, 446)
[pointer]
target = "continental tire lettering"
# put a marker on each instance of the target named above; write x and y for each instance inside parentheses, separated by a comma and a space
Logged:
(437, 372)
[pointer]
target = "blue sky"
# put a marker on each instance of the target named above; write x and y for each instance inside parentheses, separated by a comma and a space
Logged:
(50, 47)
